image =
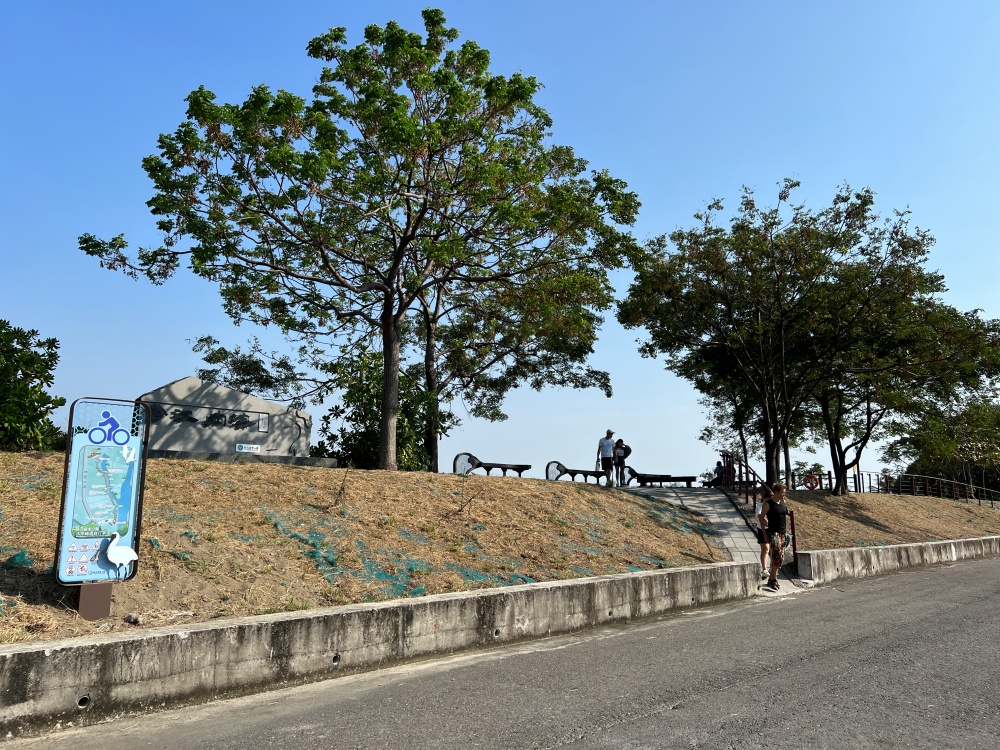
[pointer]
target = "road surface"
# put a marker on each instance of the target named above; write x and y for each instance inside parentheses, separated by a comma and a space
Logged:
(905, 661)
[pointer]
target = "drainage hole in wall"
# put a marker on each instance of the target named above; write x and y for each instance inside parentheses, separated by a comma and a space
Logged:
(496, 633)
(336, 660)
(83, 702)
(611, 613)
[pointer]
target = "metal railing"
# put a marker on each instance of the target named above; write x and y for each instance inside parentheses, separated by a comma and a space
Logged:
(916, 484)
(909, 484)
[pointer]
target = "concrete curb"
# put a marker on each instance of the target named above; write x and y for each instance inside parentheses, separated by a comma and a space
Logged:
(86, 680)
(824, 566)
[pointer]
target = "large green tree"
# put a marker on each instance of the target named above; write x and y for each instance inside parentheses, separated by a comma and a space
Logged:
(883, 342)
(27, 362)
(798, 319)
(412, 172)
(729, 306)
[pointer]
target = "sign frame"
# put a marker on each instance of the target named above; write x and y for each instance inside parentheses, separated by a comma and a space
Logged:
(102, 439)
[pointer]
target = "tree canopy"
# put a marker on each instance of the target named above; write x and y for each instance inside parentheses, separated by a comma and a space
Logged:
(413, 180)
(27, 362)
(798, 322)
(957, 439)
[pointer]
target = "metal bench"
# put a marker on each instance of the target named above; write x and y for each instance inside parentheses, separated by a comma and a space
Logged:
(651, 479)
(554, 470)
(466, 462)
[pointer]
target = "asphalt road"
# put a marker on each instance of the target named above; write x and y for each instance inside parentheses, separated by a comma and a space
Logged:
(905, 661)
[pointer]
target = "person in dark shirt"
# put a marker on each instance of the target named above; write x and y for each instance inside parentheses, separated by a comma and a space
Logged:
(622, 452)
(720, 475)
(773, 514)
(762, 540)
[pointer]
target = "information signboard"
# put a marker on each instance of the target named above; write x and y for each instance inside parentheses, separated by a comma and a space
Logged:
(98, 536)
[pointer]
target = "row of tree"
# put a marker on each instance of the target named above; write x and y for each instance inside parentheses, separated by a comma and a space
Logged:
(415, 234)
(958, 439)
(799, 325)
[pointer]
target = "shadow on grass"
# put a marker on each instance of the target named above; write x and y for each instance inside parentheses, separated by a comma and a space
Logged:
(21, 582)
(666, 515)
(842, 506)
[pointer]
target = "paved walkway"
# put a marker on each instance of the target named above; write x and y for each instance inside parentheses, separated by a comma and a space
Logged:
(735, 536)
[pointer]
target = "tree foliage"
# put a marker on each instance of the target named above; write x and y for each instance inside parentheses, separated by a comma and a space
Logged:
(414, 174)
(350, 430)
(265, 374)
(27, 363)
(807, 322)
(958, 439)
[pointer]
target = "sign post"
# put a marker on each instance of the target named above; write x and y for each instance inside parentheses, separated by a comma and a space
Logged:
(98, 536)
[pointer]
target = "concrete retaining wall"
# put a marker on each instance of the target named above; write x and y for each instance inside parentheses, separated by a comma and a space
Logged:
(829, 565)
(84, 680)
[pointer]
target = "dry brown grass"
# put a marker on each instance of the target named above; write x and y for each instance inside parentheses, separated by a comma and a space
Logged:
(827, 522)
(222, 540)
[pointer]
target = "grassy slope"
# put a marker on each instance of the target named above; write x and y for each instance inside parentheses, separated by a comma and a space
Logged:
(223, 540)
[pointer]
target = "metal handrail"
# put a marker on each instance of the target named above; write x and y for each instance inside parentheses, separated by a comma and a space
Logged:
(919, 484)
(741, 477)
(747, 482)
(914, 484)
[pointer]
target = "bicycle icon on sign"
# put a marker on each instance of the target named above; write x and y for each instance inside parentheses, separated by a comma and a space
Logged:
(114, 431)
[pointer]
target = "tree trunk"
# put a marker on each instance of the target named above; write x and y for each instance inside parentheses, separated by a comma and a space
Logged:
(433, 407)
(831, 424)
(390, 392)
(743, 447)
(772, 445)
(788, 463)
(772, 458)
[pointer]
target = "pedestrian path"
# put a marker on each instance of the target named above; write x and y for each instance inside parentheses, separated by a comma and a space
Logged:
(738, 539)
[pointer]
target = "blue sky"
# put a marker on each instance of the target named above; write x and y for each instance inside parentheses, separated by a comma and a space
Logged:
(684, 101)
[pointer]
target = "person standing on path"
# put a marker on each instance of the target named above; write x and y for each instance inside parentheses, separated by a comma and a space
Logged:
(720, 475)
(773, 514)
(605, 454)
(622, 452)
(762, 540)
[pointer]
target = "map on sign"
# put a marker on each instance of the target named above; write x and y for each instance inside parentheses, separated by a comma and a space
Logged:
(101, 509)
(105, 483)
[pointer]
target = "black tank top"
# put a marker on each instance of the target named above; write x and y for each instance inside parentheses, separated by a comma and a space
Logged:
(776, 515)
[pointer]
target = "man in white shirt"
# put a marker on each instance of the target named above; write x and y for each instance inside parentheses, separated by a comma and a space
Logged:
(605, 454)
